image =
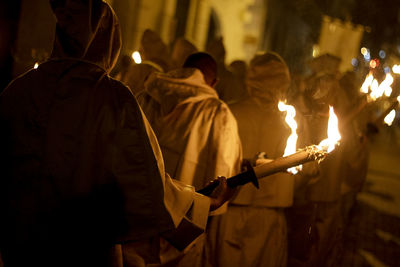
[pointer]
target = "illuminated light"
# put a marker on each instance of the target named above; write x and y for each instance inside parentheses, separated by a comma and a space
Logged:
(292, 139)
(36, 65)
(385, 86)
(396, 69)
(382, 54)
(334, 136)
(398, 99)
(372, 64)
(364, 51)
(390, 117)
(367, 83)
(315, 52)
(354, 62)
(136, 57)
(367, 57)
(386, 69)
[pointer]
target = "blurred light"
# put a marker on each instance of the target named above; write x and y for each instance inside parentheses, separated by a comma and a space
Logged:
(36, 65)
(136, 57)
(354, 62)
(382, 54)
(367, 56)
(398, 98)
(386, 69)
(372, 64)
(396, 69)
(364, 51)
(315, 52)
(390, 117)
(367, 83)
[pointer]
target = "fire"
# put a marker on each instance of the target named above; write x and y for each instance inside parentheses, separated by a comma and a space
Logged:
(36, 65)
(377, 90)
(292, 140)
(367, 83)
(390, 117)
(136, 57)
(334, 136)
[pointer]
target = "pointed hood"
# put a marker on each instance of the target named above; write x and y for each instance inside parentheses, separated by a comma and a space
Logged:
(86, 30)
(178, 87)
(268, 78)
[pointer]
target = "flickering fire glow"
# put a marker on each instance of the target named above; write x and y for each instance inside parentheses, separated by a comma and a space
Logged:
(292, 139)
(377, 90)
(390, 117)
(334, 136)
(136, 57)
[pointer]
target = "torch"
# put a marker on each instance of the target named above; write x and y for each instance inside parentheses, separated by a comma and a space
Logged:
(310, 153)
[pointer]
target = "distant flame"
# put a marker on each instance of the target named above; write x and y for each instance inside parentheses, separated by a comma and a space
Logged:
(36, 65)
(377, 90)
(334, 136)
(390, 117)
(292, 140)
(367, 83)
(136, 57)
(384, 87)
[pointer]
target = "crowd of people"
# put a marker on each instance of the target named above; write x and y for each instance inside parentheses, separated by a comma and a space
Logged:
(101, 167)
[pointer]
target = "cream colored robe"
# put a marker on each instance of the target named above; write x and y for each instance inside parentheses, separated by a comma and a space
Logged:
(83, 177)
(197, 133)
(253, 231)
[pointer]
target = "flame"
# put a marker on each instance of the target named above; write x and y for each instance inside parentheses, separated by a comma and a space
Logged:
(396, 69)
(377, 90)
(292, 140)
(36, 65)
(385, 85)
(398, 99)
(334, 136)
(390, 117)
(136, 57)
(367, 83)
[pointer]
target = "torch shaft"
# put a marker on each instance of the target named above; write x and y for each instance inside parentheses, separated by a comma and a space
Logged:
(266, 169)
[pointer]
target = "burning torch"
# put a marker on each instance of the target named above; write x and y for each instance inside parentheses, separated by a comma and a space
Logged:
(310, 153)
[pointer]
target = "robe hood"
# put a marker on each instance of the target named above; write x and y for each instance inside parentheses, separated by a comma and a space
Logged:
(178, 87)
(86, 30)
(268, 78)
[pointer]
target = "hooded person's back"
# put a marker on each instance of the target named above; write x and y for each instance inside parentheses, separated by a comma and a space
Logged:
(81, 167)
(196, 131)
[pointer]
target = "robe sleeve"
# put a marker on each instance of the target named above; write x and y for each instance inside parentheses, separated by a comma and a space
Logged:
(188, 209)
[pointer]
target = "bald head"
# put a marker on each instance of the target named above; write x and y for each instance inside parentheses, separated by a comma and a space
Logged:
(206, 64)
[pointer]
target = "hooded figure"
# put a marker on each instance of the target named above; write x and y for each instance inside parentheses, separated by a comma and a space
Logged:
(181, 50)
(81, 168)
(229, 87)
(196, 131)
(253, 231)
(154, 54)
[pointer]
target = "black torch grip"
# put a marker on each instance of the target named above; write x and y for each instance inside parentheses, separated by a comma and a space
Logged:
(234, 181)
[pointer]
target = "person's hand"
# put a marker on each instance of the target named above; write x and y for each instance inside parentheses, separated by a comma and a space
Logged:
(221, 193)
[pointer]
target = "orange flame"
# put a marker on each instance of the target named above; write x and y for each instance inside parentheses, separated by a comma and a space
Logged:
(334, 136)
(292, 139)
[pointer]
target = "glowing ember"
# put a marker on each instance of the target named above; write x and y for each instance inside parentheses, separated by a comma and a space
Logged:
(367, 83)
(334, 136)
(36, 65)
(390, 117)
(136, 57)
(292, 140)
